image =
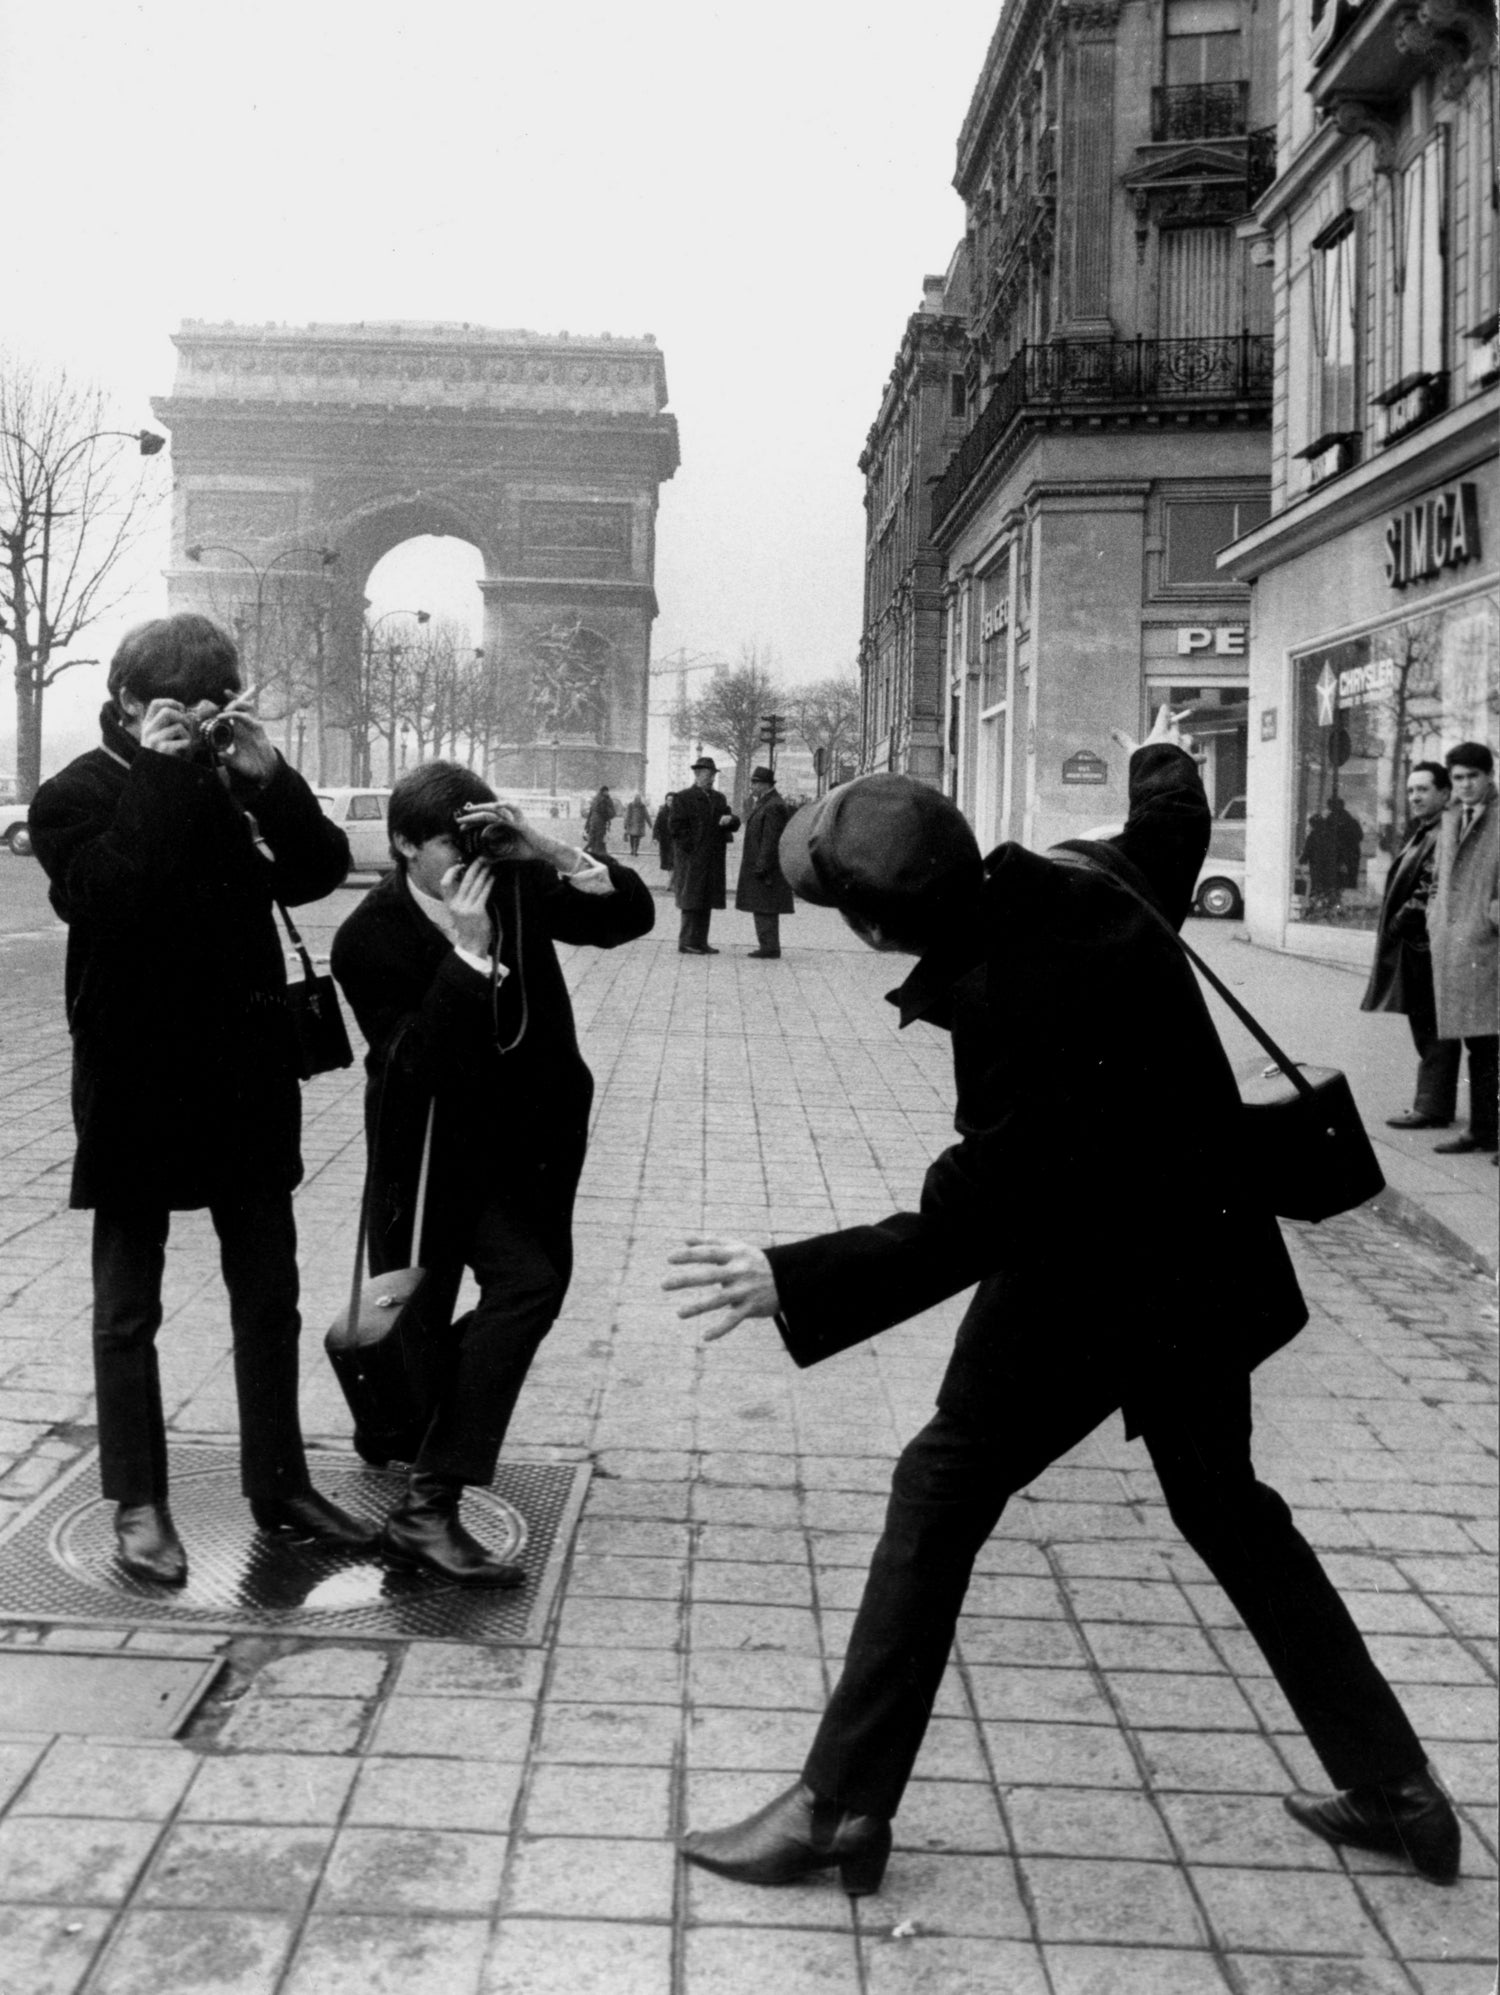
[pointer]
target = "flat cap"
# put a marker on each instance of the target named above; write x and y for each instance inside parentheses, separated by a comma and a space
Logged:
(878, 837)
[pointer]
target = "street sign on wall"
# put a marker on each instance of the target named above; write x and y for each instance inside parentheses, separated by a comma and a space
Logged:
(1085, 767)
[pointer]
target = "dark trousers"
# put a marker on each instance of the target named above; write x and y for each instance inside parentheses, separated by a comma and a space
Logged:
(950, 1487)
(258, 1255)
(518, 1241)
(1484, 1089)
(768, 934)
(693, 933)
(1437, 1059)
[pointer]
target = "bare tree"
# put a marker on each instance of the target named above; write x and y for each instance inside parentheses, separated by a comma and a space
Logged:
(431, 685)
(727, 715)
(70, 512)
(825, 715)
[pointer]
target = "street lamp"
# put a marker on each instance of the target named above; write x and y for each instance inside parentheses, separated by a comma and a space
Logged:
(393, 653)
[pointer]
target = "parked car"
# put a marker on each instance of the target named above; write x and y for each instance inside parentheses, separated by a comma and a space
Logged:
(1220, 890)
(360, 815)
(13, 829)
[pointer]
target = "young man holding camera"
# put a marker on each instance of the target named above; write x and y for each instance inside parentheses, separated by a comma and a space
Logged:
(451, 970)
(185, 1065)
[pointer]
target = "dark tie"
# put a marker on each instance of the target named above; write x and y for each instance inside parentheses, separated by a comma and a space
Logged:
(1463, 831)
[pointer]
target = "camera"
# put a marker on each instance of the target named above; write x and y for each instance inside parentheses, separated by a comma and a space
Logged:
(211, 737)
(490, 839)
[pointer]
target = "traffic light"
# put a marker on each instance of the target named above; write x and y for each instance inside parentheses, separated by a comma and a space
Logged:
(772, 733)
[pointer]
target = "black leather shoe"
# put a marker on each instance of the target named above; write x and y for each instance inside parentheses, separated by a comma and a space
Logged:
(763, 955)
(149, 1545)
(312, 1520)
(790, 1838)
(1460, 1146)
(424, 1531)
(1413, 1118)
(1410, 1818)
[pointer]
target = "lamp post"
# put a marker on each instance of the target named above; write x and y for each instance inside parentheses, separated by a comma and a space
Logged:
(262, 573)
(393, 654)
(25, 594)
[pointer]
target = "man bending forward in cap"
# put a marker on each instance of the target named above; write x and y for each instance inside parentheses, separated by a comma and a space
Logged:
(1093, 1096)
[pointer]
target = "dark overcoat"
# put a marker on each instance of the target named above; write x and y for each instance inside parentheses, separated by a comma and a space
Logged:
(1402, 969)
(1462, 924)
(698, 844)
(762, 887)
(1097, 1191)
(184, 1056)
(435, 1034)
(661, 831)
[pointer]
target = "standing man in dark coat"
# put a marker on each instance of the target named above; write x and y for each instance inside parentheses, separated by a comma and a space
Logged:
(637, 822)
(661, 831)
(762, 889)
(1401, 975)
(1463, 925)
(185, 1069)
(453, 975)
(1093, 1097)
(601, 815)
(701, 824)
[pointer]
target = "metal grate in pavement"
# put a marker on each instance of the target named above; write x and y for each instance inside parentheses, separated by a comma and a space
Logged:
(57, 1561)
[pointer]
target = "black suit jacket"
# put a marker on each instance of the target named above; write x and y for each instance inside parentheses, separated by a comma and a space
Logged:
(1097, 1189)
(436, 1033)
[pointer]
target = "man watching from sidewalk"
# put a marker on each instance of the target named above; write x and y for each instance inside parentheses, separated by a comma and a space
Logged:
(1401, 976)
(1463, 922)
(701, 825)
(762, 890)
(451, 969)
(1093, 1097)
(167, 855)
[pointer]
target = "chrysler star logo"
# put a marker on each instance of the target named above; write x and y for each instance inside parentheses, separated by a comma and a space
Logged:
(1327, 691)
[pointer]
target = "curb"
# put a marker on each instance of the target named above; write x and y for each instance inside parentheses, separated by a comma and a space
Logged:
(1407, 1212)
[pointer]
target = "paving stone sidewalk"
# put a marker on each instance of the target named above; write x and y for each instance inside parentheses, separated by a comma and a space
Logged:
(1097, 1810)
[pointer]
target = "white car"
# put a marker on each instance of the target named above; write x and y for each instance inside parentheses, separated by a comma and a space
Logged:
(360, 815)
(13, 829)
(1220, 891)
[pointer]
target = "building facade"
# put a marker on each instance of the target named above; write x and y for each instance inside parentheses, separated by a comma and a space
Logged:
(1376, 623)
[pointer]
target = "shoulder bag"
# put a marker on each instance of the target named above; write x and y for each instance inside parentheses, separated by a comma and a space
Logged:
(313, 1004)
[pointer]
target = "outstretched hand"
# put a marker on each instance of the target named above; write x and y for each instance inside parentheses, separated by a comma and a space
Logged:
(739, 1275)
(1165, 727)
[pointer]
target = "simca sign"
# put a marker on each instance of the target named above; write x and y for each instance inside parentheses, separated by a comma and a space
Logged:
(1436, 533)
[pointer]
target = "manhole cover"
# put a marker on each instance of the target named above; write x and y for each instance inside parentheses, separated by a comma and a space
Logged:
(137, 1697)
(57, 1563)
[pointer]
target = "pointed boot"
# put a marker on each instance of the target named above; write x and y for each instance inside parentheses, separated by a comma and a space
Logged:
(1410, 1818)
(791, 1838)
(149, 1547)
(425, 1531)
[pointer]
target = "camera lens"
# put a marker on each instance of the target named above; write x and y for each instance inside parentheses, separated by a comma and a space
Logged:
(219, 733)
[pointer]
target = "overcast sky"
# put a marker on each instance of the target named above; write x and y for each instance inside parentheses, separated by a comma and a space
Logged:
(761, 188)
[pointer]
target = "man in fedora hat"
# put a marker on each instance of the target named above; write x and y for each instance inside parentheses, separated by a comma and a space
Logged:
(762, 889)
(701, 825)
(1093, 1097)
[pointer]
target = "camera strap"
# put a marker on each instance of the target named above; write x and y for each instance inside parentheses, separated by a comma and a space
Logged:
(495, 978)
(297, 943)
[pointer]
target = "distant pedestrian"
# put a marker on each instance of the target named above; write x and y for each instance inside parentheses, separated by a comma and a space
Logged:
(1401, 978)
(702, 825)
(661, 831)
(637, 823)
(600, 815)
(1463, 922)
(1348, 841)
(762, 889)
(1320, 856)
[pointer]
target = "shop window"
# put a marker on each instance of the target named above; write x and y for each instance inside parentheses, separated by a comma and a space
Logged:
(1197, 529)
(1203, 41)
(1364, 711)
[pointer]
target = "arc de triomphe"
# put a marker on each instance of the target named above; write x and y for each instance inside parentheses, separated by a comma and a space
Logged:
(546, 453)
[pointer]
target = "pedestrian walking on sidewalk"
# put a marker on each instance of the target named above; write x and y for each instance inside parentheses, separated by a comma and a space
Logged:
(451, 969)
(1401, 976)
(599, 817)
(1093, 1097)
(701, 824)
(1463, 920)
(762, 890)
(661, 831)
(637, 823)
(186, 1071)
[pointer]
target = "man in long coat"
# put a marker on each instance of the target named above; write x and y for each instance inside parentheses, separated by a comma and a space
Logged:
(762, 889)
(1097, 1186)
(186, 1088)
(701, 824)
(661, 831)
(1463, 919)
(1401, 975)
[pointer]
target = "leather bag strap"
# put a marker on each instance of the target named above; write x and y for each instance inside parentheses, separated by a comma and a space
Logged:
(297, 943)
(1251, 1024)
(362, 1234)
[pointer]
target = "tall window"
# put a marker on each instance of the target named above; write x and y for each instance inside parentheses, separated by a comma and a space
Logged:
(1335, 302)
(1418, 266)
(1203, 41)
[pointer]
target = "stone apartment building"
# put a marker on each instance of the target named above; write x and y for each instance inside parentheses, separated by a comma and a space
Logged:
(1376, 624)
(1112, 425)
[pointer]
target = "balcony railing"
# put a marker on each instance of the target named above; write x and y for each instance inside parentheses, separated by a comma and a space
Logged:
(1199, 111)
(1067, 374)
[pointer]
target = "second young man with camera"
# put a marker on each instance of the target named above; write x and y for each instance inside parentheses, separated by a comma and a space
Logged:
(451, 970)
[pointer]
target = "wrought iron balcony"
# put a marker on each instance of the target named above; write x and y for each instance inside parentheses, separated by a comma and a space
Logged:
(1199, 111)
(1068, 375)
